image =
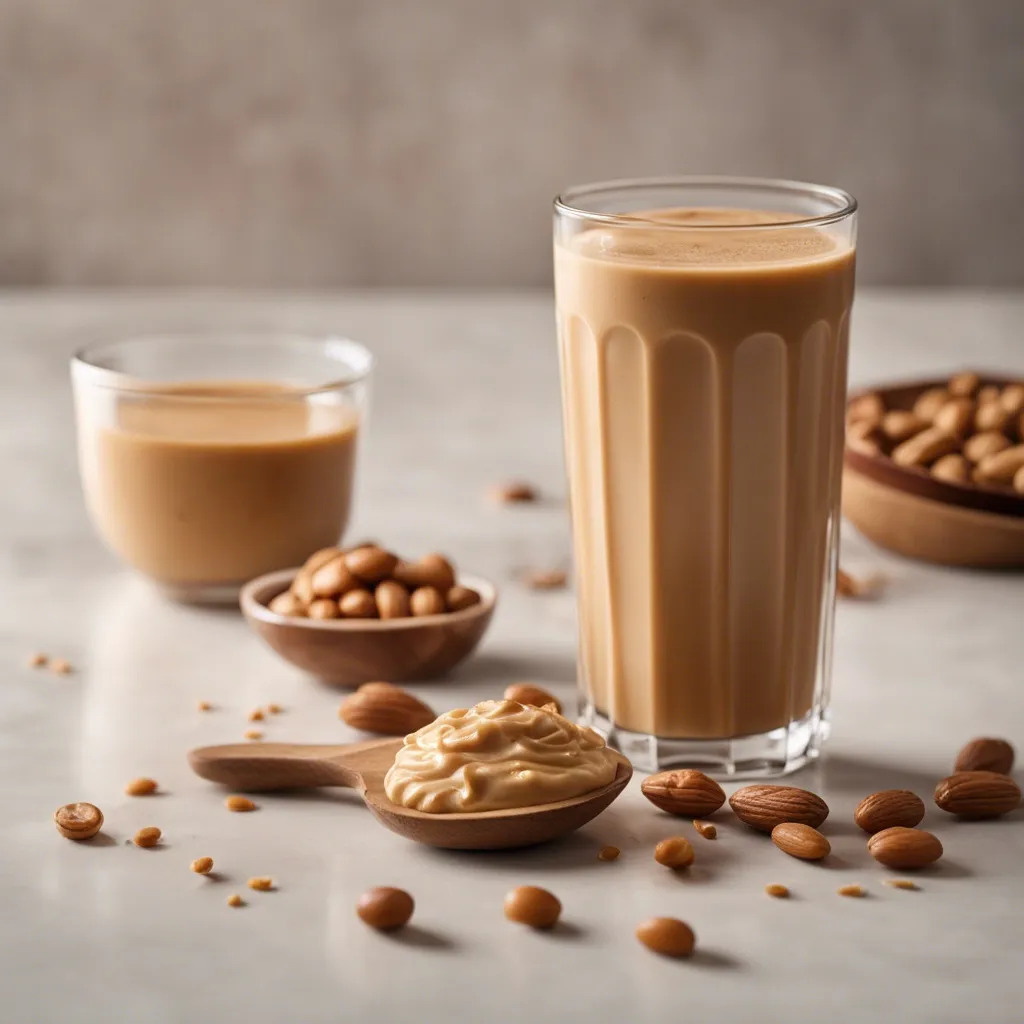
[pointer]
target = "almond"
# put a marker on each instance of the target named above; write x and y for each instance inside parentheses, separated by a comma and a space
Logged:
(800, 841)
(685, 792)
(977, 794)
(385, 709)
(985, 754)
(764, 807)
(888, 808)
(904, 848)
(370, 564)
(530, 695)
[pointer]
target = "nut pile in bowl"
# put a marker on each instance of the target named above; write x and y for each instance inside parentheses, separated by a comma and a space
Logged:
(965, 432)
(368, 582)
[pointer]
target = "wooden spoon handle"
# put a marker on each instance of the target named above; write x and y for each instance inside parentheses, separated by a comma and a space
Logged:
(268, 766)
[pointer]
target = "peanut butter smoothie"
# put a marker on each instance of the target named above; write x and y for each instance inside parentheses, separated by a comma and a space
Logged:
(217, 483)
(703, 355)
(210, 458)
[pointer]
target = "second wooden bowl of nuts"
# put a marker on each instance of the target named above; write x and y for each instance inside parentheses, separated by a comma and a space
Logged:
(934, 469)
(348, 616)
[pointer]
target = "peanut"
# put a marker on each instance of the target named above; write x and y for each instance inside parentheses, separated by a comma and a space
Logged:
(956, 416)
(867, 408)
(460, 598)
(608, 853)
(261, 883)
(324, 608)
(1001, 467)
(776, 890)
(140, 787)
(965, 383)
(426, 601)
(239, 804)
(863, 436)
(991, 416)
(982, 445)
(202, 865)
(668, 936)
(675, 852)
(924, 448)
(532, 906)
(385, 908)
(358, 604)
(1012, 398)
(930, 402)
(148, 836)
(392, 600)
(953, 469)
(899, 425)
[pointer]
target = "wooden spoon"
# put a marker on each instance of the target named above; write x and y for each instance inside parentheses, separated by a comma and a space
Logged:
(362, 766)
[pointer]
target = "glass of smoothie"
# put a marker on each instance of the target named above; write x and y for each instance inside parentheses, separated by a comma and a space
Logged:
(703, 330)
(210, 458)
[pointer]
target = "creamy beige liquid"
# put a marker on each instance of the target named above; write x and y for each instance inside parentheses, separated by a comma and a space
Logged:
(215, 484)
(703, 382)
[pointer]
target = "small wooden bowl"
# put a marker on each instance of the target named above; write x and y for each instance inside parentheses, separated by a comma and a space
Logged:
(907, 510)
(350, 652)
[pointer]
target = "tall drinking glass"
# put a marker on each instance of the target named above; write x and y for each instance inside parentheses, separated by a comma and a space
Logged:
(703, 327)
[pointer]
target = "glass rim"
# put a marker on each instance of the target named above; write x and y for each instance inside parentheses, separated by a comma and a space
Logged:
(352, 356)
(566, 203)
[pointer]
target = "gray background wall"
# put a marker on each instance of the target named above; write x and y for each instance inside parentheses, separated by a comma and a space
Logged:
(334, 142)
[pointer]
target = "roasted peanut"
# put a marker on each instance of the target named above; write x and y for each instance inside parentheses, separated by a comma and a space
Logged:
(991, 416)
(202, 865)
(371, 564)
(668, 936)
(953, 469)
(924, 448)
(140, 787)
(980, 446)
(532, 906)
(1001, 467)
(867, 408)
(460, 598)
(385, 908)
(426, 601)
(900, 424)
(432, 570)
(930, 402)
(358, 604)
(863, 436)
(392, 600)
(148, 836)
(965, 383)
(955, 417)
(324, 608)
(287, 603)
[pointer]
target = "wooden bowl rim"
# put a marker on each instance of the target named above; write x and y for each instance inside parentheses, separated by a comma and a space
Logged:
(920, 482)
(257, 592)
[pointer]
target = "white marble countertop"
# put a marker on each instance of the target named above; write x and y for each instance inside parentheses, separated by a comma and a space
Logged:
(466, 394)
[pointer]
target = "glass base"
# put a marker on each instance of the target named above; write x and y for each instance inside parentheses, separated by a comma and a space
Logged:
(762, 756)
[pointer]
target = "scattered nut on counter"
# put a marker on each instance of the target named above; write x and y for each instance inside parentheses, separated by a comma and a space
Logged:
(888, 808)
(532, 696)
(234, 900)
(513, 492)
(685, 791)
(274, 709)
(253, 734)
(140, 787)
(256, 715)
(37, 660)
(545, 579)
(385, 908)
(854, 890)
(261, 883)
(239, 804)
(148, 836)
(202, 865)
(705, 828)
(668, 936)
(675, 852)
(977, 794)
(904, 848)
(858, 586)
(780, 892)
(900, 883)
(763, 807)
(204, 705)
(985, 754)
(532, 906)
(369, 582)
(801, 841)
(385, 709)
(78, 821)
(608, 853)
(964, 433)
(61, 666)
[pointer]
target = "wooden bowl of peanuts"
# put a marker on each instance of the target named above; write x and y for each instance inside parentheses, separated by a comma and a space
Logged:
(350, 616)
(935, 469)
